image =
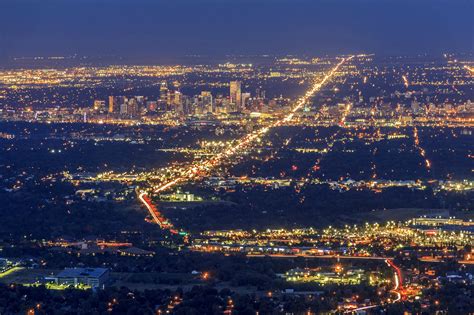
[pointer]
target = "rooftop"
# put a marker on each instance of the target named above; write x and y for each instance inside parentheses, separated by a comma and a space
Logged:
(82, 272)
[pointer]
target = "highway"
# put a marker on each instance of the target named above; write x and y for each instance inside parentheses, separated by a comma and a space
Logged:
(155, 214)
(396, 289)
(416, 140)
(405, 81)
(202, 167)
(317, 256)
(398, 281)
(470, 69)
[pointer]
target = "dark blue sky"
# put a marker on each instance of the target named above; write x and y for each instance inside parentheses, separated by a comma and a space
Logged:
(148, 28)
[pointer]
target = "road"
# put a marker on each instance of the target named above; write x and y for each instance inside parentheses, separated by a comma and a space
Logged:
(398, 280)
(202, 167)
(317, 256)
(405, 81)
(470, 69)
(158, 218)
(396, 289)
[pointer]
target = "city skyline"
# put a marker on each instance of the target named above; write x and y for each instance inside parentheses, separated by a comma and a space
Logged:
(236, 157)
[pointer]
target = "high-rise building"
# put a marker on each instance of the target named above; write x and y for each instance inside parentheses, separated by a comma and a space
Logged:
(259, 93)
(207, 101)
(236, 95)
(123, 109)
(170, 99)
(164, 92)
(132, 108)
(245, 99)
(187, 105)
(178, 102)
(111, 104)
(99, 105)
(151, 106)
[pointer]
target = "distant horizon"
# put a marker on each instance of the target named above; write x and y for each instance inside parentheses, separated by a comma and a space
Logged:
(236, 157)
(107, 60)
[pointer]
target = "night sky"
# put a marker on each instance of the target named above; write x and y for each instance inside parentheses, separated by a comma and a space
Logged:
(149, 28)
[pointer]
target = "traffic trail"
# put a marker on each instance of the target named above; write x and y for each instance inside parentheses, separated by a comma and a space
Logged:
(202, 167)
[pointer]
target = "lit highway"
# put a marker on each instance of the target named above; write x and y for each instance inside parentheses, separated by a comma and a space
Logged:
(470, 69)
(199, 168)
(396, 289)
(398, 280)
(316, 256)
(420, 149)
(405, 81)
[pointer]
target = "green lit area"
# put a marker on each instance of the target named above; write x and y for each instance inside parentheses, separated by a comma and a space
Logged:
(55, 286)
(10, 271)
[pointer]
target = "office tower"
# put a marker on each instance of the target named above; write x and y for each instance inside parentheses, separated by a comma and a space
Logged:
(177, 98)
(236, 95)
(245, 99)
(259, 93)
(178, 102)
(141, 102)
(196, 105)
(123, 109)
(151, 106)
(164, 92)
(187, 105)
(132, 108)
(207, 101)
(99, 105)
(226, 106)
(111, 104)
(170, 100)
(219, 104)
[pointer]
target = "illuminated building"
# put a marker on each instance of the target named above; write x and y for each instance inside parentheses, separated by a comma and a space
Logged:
(178, 102)
(164, 92)
(440, 221)
(245, 99)
(99, 105)
(93, 277)
(123, 109)
(111, 104)
(236, 95)
(151, 106)
(207, 101)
